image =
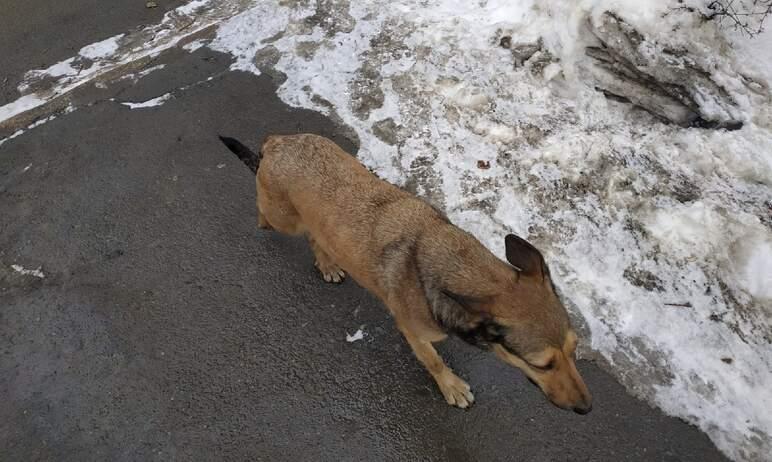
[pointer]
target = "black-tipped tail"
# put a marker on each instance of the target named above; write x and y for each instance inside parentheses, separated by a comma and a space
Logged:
(246, 155)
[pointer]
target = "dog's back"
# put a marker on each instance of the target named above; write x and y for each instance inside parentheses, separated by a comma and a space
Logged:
(352, 213)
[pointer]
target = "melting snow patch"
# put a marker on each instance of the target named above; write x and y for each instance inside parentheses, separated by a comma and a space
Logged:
(99, 58)
(194, 45)
(22, 104)
(147, 71)
(101, 49)
(192, 7)
(358, 335)
(149, 103)
(36, 272)
(62, 68)
(37, 123)
(11, 136)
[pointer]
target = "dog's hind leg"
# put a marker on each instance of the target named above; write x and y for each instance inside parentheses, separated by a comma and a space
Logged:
(276, 212)
(331, 272)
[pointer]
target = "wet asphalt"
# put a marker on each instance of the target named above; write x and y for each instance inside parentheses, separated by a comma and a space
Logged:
(168, 327)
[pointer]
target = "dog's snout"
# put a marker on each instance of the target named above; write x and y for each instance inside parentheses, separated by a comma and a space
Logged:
(584, 409)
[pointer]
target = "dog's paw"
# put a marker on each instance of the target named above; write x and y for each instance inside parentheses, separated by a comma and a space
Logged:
(331, 272)
(455, 390)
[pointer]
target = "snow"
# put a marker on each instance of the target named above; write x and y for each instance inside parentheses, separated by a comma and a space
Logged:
(62, 68)
(147, 71)
(260, 22)
(752, 271)
(102, 49)
(658, 236)
(26, 272)
(149, 103)
(192, 7)
(11, 136)
(102, 57)
(37, 123)
(194, 45)
(22, 104)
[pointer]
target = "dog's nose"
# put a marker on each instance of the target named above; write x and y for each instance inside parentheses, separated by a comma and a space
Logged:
(582, 410)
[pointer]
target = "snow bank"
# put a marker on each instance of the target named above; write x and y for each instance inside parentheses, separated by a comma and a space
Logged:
(658, 236)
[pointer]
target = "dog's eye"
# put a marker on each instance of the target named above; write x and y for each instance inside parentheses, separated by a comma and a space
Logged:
(545, 367)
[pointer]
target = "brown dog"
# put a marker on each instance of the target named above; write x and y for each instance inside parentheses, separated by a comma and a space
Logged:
(434, 277)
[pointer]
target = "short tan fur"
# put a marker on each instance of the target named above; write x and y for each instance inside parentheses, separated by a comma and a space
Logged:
(435, 278)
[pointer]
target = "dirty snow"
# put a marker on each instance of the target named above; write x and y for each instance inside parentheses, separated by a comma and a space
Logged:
(11, 136)
(191, 7)
(90, 60)
(658, 236)
(37, 123)
(150, 69)
(194, 45)
(40, 86)
(27, 272)
(22, 104)
(102, 49)
(149, 103)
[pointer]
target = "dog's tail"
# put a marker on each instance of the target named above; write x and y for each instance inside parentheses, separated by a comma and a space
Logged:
(246, 155)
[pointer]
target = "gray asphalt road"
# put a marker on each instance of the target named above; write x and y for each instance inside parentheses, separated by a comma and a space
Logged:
(35, 34)
(168, 327)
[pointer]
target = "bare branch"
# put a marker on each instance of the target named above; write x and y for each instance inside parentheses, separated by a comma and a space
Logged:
(747, 16)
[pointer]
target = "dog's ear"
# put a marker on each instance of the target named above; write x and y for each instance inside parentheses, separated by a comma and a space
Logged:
(524, 257)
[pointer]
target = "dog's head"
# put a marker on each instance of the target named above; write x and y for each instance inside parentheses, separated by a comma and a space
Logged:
(536, 335)
(552, 369)
(524, 322)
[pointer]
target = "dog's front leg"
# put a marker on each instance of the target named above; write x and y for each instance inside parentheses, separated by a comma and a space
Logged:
(455, 390)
